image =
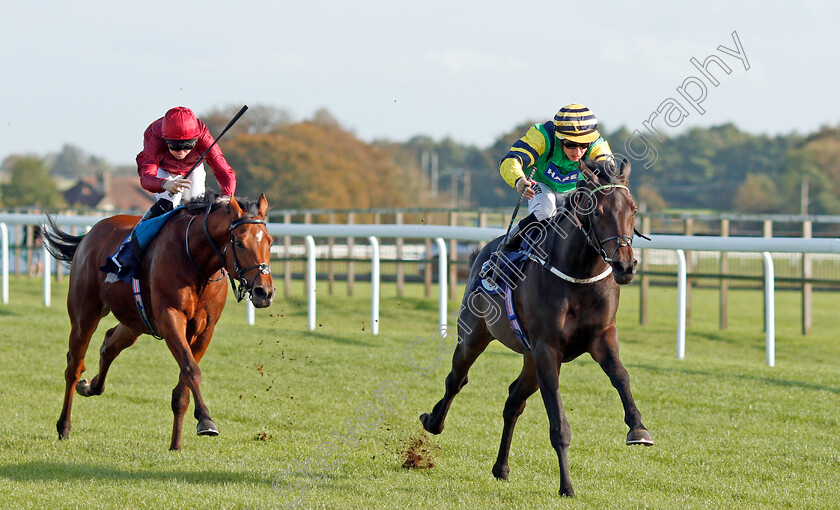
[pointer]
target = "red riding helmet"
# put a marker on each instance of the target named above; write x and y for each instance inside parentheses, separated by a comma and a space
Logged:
(180, 124)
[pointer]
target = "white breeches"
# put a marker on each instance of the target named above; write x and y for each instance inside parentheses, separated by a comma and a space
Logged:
(544, 203)
(196, 178)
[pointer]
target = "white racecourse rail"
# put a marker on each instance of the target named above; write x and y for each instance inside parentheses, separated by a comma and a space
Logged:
(680, 244)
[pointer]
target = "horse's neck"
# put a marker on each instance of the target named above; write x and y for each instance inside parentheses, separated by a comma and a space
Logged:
(573, 254)
(202, 252)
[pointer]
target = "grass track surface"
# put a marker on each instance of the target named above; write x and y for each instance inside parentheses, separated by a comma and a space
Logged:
(730, 432)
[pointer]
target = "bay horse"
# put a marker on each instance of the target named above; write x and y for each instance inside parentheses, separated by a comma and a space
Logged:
(182, 301)
(566, 305)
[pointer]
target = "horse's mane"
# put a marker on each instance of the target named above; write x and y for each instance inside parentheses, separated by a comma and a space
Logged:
(197, 205)
(605, 169)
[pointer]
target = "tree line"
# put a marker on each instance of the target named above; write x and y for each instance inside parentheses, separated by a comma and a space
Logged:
(317, 163)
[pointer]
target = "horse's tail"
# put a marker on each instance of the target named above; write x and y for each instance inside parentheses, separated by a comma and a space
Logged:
(60, 244)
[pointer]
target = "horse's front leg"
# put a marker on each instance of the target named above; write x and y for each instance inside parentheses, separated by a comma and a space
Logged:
(173, 328)
(605, 351)
(181, 394)
(473, 338)
(548, 369)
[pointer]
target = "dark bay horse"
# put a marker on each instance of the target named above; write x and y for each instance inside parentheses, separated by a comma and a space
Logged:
(566, 303)
(209, 236)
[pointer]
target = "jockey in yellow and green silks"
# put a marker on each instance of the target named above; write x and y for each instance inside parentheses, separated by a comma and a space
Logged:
(555, 150)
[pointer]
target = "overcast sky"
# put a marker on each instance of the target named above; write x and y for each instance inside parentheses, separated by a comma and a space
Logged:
(94, 74)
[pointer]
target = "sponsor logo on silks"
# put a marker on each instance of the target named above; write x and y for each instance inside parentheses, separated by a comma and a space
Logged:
(554, 174)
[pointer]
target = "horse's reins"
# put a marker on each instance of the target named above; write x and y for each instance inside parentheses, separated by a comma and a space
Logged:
(189, 256)
(245, 288)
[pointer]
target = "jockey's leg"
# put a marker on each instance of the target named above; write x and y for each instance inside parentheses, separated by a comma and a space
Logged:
(540, 208)
(123, 254)
(197, 179)
(165, 203)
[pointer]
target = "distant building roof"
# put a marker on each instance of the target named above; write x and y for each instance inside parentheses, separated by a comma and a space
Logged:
(109, 193)
(125, 193)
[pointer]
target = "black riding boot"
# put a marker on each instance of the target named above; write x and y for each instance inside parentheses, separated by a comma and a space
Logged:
(161, 206)
(514, 239)
(123, 254)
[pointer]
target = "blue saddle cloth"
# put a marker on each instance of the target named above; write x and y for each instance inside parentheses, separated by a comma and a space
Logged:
(145, 231)
(132, 248)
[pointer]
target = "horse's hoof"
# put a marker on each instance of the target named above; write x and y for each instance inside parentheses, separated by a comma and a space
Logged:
(424, 419)
(206, 427)
(83, 387)
(63, 432)
(501, 473)
(639, 436)
(567, 493)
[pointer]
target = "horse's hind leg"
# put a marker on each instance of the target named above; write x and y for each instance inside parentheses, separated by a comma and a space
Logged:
(473, 338)
(605, 352)
(523, 387)
(84, 321)
(116, 340)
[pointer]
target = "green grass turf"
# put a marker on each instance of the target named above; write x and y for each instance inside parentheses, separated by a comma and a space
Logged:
(730, 432)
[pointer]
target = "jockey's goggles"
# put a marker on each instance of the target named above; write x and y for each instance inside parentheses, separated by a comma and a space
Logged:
(572, 145)
(181, 145)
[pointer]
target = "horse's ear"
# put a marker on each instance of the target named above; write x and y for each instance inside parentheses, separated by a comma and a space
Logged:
(262, 204)
(234, 207)
(624, 171)
(589, 173)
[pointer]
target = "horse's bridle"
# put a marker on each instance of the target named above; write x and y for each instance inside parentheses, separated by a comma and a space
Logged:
(245, 288)
(594, 239)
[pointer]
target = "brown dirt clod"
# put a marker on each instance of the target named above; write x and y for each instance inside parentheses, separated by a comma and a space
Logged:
(418, 453)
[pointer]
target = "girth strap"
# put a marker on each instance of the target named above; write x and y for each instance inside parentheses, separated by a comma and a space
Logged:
(138, 300)
(514, 320)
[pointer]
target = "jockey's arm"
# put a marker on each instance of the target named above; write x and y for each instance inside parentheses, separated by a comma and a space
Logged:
(522, 154)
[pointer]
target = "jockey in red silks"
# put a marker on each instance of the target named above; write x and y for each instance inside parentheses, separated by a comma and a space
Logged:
(171, 146)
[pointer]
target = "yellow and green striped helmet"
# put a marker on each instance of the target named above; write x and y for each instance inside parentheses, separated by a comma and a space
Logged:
(576, 123)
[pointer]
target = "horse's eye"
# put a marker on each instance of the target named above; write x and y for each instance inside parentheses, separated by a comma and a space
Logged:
(239, 244)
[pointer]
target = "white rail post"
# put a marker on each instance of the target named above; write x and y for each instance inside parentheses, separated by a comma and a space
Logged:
(310, 279)
(47, 263)
(4, 241)
(681, 303)
(770, 309)
(374, 286)
(442, 282)
(249, 307)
